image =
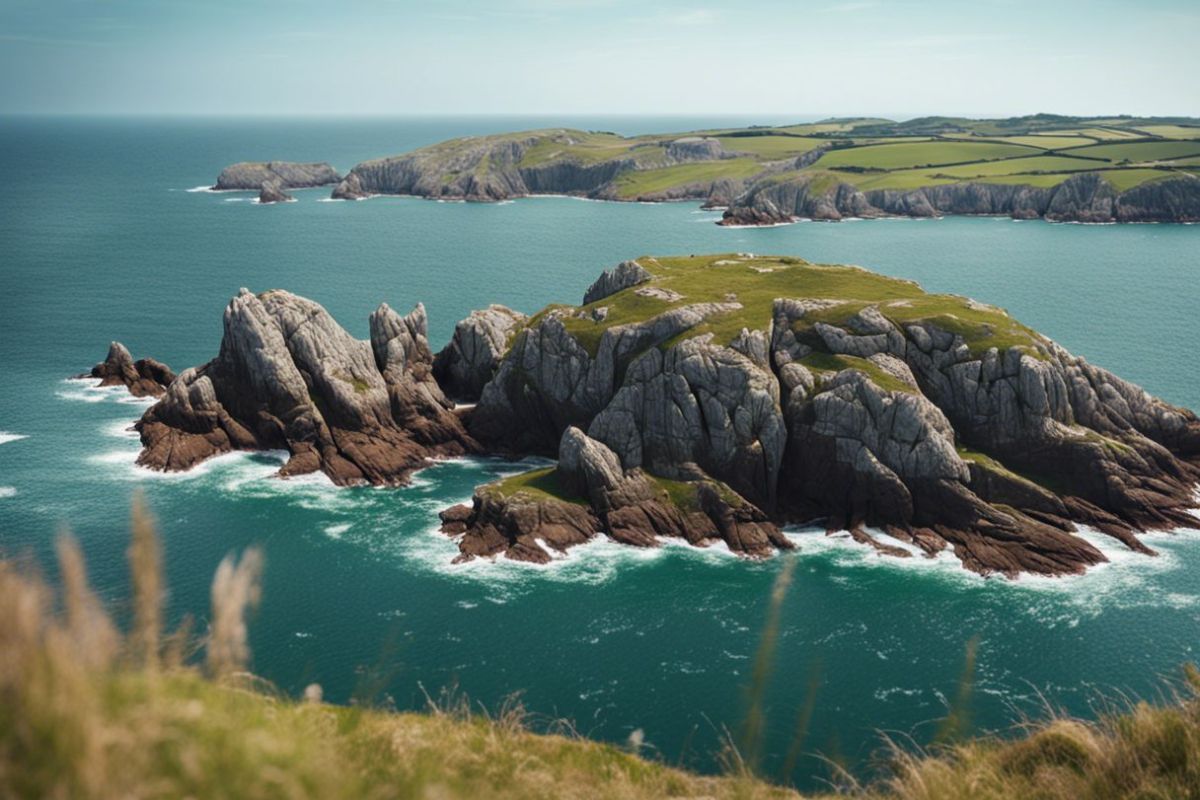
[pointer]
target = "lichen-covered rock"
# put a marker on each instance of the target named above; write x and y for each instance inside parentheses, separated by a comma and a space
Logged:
(144, 377)
(288, 377)
(467, 363)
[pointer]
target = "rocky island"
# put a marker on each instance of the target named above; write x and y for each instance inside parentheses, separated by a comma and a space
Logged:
(1070, 169)
(272, 179)
(712, 399)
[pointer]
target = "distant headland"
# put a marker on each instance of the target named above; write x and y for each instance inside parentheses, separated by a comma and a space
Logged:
(1059, 168)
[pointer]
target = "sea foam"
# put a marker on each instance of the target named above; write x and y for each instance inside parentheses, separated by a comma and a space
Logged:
(6, 437)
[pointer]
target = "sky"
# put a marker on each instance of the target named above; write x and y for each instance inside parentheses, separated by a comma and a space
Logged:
(897, 58)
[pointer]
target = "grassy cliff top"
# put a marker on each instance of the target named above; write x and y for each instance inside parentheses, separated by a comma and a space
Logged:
(757, 281)
(1040, 150)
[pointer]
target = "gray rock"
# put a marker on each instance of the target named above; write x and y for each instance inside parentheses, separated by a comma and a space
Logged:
(611, 281)
(468, 362)
(255, 175)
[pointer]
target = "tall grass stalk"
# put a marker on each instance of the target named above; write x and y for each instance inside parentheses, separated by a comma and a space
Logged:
(236, 588)
(750, 740)
(146, 574)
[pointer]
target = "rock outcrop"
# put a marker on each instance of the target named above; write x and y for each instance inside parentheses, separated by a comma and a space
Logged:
(272, 192)
(467, 363)
(611, 281)
(289, 377)
(1086, 197)
(144, 377)
(593, 494)
(255, 175)
(861, 414)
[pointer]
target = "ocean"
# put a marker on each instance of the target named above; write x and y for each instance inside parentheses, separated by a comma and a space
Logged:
(101, 239)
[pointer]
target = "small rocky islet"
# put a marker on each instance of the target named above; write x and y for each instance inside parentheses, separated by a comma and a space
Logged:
(707, 398)
(1066, 169)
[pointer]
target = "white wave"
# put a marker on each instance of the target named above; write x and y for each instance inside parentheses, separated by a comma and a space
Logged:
(7, 491)
(336, 531)
(121, 430)
(1127, 580)
(89, 390)
(6, 437)
(331, 200)
(204, 188)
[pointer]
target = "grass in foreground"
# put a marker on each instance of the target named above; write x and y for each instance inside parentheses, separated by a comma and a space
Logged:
(89, 711)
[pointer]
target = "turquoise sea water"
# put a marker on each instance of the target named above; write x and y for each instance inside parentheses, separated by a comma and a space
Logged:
(100, 240)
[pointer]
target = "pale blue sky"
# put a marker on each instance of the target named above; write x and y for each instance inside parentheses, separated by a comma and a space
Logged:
(976, 57)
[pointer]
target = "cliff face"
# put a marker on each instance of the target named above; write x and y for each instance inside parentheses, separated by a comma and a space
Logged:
(467, 363)
(278, 175)
(1086, 197)
(497, 168)
(288, 377)
(860, 413)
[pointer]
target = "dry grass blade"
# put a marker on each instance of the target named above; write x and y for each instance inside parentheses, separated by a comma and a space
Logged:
(146, 573)
(89, 627)
(236, 588)
(750, 743)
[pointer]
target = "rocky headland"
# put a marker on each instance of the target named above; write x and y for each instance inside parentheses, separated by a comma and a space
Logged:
(712, 399)
(773, 176)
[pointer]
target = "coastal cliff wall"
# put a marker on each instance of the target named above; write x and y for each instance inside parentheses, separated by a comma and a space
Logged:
(1086, 197)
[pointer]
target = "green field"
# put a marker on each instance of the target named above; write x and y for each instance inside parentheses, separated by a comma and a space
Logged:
(769, 147)
(648, 182)
(1139, 152)
(1019, 165)
(919, 154)
(1171, 131)
(1050, 142)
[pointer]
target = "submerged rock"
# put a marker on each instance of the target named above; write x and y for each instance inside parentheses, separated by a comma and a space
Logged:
(289, 377)
(144, 377)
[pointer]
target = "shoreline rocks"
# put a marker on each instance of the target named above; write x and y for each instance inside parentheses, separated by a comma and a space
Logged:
(594, 495)
(289, 377)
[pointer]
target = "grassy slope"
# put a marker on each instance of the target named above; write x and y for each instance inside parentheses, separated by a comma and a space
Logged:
(88, 711)
(758, 281)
